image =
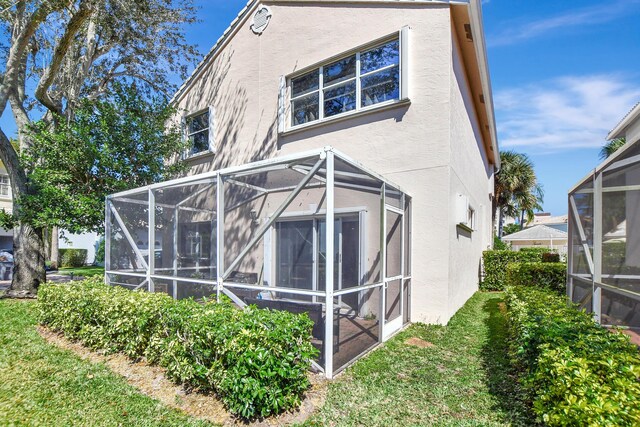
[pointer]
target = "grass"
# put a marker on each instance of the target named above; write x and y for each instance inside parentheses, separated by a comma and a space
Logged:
(461, 380)
(43, 385)
(86, 271)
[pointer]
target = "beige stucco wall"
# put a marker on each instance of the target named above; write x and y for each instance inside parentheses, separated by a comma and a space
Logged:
(417, 146)
(470, 173)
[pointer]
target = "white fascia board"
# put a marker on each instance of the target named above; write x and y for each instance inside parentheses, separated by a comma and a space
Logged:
(213, 52)
(475, 18)
(618, 131)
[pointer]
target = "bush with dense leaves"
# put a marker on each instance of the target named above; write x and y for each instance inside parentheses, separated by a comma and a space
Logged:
(495, 265)
(72, 257)
(547, 275)
(256, 360)
(573, 371)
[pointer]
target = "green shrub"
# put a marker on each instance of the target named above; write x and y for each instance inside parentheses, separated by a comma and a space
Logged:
(72, 257)
(572, 370)
(495, 265)
(547, 275)
(255, 360)
(550, 257)
(500, 245)
(536, 250)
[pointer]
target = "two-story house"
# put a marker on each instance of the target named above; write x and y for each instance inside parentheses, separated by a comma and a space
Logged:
(401, 91)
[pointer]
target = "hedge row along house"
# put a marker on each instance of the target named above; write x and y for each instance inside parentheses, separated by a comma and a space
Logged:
(604, 233)
(342, 161)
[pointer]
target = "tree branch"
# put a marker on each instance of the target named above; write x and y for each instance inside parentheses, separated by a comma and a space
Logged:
(50, 73)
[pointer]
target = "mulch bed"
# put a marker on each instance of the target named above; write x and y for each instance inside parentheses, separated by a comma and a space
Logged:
(151, 381)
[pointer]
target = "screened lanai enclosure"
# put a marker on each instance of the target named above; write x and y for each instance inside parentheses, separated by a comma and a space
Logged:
(314, 233)
(604, 237)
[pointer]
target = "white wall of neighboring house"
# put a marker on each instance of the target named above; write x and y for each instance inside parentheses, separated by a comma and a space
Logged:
(86, 241)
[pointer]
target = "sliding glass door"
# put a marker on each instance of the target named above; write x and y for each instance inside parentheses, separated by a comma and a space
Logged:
(301, 253)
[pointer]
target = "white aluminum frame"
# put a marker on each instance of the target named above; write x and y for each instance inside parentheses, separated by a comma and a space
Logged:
(595, 277)
(322, 174)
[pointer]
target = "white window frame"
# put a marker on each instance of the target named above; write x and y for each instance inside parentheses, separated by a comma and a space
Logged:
(6, 185)
(210, 129)
(285, 120)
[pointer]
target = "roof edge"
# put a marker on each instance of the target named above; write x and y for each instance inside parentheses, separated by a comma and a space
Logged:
(617, 131)
(477, 29)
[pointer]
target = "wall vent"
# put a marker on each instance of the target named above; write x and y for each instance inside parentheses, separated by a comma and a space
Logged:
(261, 19)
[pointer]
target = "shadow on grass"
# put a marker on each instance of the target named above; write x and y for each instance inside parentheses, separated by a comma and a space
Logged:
(501, 381)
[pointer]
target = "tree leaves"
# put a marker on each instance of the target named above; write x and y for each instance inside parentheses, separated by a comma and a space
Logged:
(111, 145)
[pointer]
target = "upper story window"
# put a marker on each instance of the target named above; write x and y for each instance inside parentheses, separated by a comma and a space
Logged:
(197, 132)
(5, 186)
(368, 77)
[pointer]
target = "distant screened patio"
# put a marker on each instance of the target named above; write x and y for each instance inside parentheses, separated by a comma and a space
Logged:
(604, 240)
(287, 222)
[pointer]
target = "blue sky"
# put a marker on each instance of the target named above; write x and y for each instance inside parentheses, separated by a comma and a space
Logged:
(563, 75)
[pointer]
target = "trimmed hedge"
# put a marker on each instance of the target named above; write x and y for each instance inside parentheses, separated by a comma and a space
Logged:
(72, 257)
(495, 265)
(255, 360)
(548, 275)
(573, 371)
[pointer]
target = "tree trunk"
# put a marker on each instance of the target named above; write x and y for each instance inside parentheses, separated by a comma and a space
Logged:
(28, 268)
(500, 223)
(55, 244)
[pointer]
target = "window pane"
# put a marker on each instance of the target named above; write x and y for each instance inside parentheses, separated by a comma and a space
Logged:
(199, 122)
(339, 71)
(381, 86)
(340, 99)
(305, 109)
(305, 84)
(379, 57)
(199, 142)
(295, 254)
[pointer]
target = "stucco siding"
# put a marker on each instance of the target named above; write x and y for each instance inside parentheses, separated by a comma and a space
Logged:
(430, 146)
(470, 176)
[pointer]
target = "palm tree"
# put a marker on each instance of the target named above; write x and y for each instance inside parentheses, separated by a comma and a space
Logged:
(611, 147)
(517, 191)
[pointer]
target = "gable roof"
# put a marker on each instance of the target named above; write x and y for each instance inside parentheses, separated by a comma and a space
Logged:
(474, 9)
(618, 131)
(537, 232)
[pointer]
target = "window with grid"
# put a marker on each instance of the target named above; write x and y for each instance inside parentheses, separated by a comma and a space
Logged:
(362, 79)
(198, 133)
(5, 185)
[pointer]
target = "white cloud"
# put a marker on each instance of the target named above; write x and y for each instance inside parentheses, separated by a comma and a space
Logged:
(606, 12)
(564, 113)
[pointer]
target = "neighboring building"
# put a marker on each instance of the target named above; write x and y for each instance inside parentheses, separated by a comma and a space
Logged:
(88, 241)
(6, 203)
(78, 241)
(604, 230)
(544, 218)
(538, 236)
(400, 90)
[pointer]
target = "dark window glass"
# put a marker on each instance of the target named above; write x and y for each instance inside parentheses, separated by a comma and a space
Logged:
(305, 109)
(382, 56)
(339, 71)
(198, 133)
(305, 84)
(199, 142)
(381, 86)
(340, 99)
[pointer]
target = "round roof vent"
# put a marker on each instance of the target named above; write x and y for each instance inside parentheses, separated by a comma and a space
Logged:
(261, 19)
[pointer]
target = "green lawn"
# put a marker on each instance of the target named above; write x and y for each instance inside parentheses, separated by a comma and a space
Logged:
(83, 271)
(462, 380)
(41, 385)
